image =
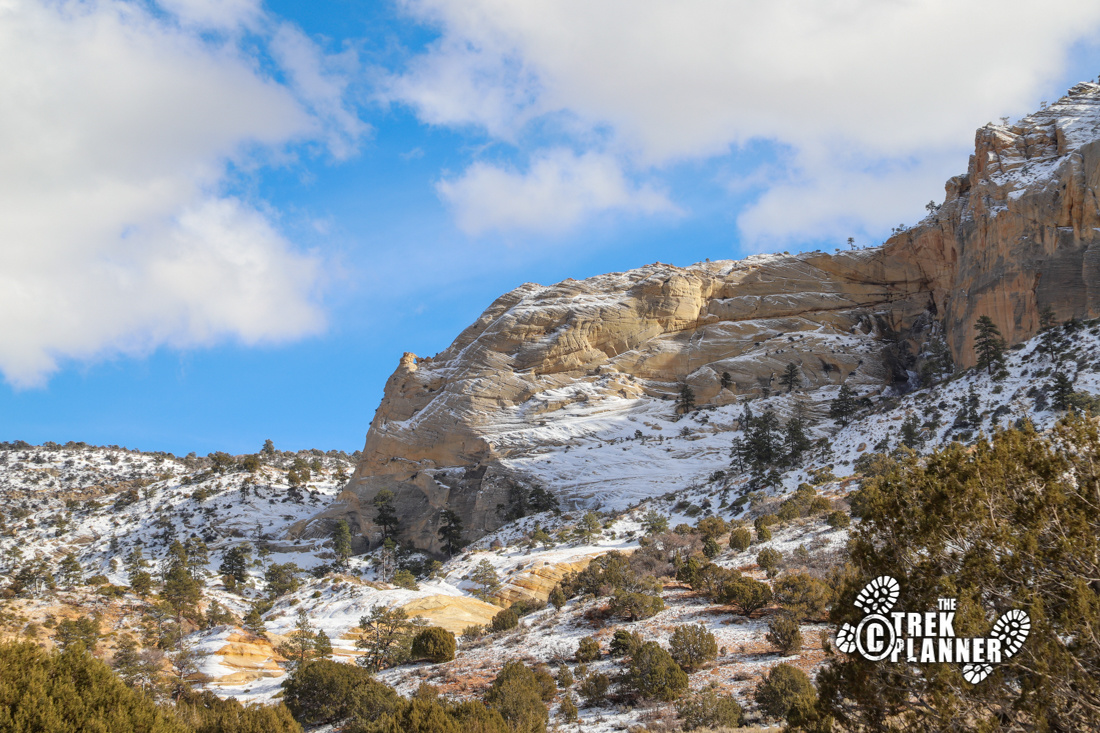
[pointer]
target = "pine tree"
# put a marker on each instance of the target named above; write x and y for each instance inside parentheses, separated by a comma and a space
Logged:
(726, 380)
(762, 441)
(844, 406)
(791, 377)
(235, 562)
(1061, 391)
(385, 639)
(302, 643)
(989, 345)
(1051, 341)
(180, 591)
(795, 440)
(686, 401)
(198, 556)
(485, 575)
(69, 571)
(450, 532)
(910, 432)
(341, 543)
(322, 646)
(385, 513)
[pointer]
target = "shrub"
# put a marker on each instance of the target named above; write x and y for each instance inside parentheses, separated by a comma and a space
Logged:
(405, 579)
(784, 633)
(636, 606)
(765, 520)
(71, 692)
(784, 688)
(693, 646)
(565, 677)
(505, 620)
(207, 713)
(588, 650)
(803, 595)
(708, 709)
(471, 633)
(568, 710)
(593, 687)
(740, 539)
(517, 695)
(711, 548)
(624, 643)
(654, 674)
(434, 644)
(763, 534)
(1023, 505)
(770, 560)
(838, 519)
(748, 594)
(320, 692)
(557, 597)
(712, 527)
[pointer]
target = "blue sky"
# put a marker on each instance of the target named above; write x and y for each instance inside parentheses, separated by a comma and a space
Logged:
(224, 221)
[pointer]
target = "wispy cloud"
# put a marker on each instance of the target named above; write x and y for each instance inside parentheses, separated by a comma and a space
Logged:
(557, 192)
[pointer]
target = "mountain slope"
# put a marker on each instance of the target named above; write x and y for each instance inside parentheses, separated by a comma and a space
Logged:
(546, 366)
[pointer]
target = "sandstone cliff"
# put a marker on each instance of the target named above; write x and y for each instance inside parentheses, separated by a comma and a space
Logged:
(1016, 233)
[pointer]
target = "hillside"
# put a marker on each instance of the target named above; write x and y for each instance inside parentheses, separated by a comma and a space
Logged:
(660, 448)
(100, 503)
(550, 367)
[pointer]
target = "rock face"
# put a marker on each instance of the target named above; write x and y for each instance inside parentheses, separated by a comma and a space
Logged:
(1017, 233)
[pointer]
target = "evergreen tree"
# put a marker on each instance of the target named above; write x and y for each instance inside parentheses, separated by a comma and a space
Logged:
(141, 583)
(989, 345)
(1051, 339)
(83, 631)
(385, 513)
(795, 440)
(135, 561)
(69, 571)
(762, 443)
(235, 562)
(302, 643)
(386, 638)
(1061, 391)
(180, 591)
(726, 380)
(791, 377)
(686, 401)
(341, 543)
(485, 575)
(844, 406)
(937, 362)
(1007, 523)
(910, 432)
(737, 454)
(198, 556)
(254, 621)
(450, 532)
(322, 645)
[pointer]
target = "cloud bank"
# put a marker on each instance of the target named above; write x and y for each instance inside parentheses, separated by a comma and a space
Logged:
(651, 84)
(117, 133)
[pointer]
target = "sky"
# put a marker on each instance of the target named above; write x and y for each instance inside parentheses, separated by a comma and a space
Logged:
(224, 221)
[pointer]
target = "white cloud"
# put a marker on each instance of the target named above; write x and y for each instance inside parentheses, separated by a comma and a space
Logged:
(679, 81)
(219, 15)
(558, 191)
(116, 235)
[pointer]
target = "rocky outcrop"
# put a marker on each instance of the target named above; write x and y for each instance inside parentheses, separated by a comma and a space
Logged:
(1021, 230)
(1016, 233)
(453, 613)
